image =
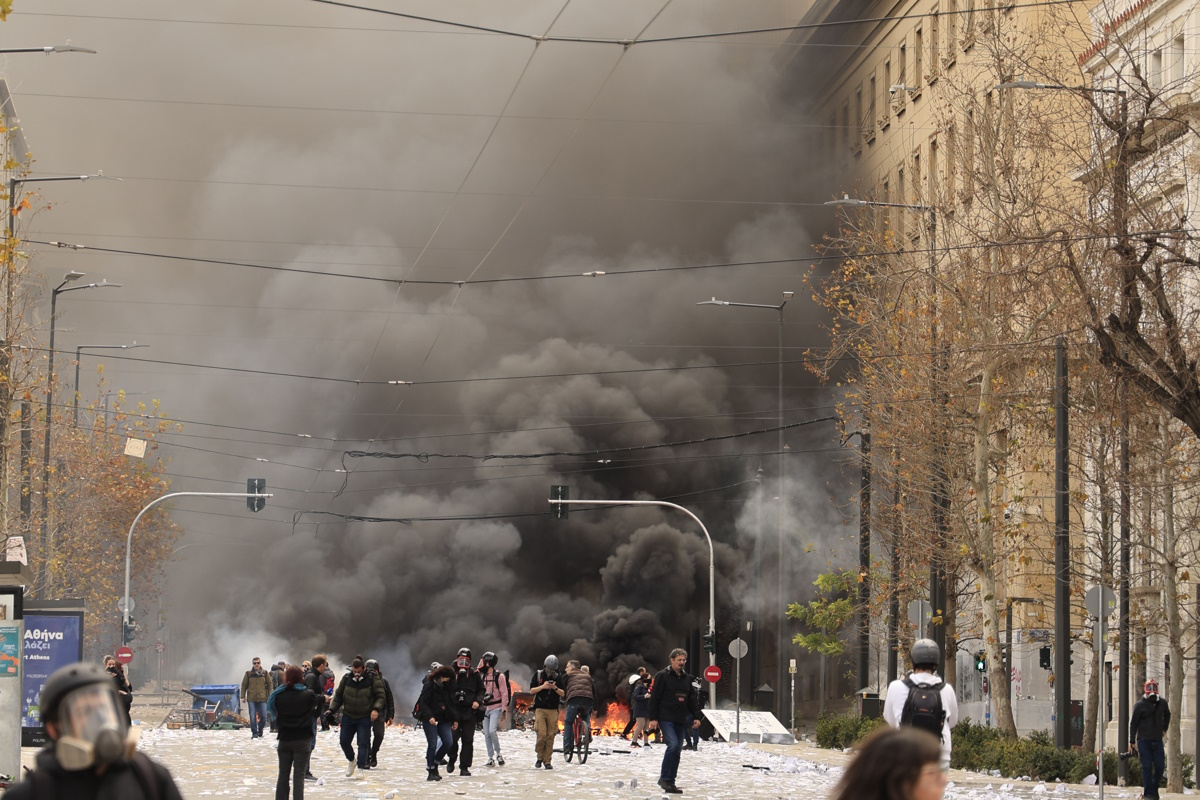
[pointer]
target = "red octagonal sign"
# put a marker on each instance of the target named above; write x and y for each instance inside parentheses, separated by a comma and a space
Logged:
(712, 673)
(124, 655)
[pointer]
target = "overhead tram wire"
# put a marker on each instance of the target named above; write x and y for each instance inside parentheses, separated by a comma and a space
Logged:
(627, 43)
(814, 259)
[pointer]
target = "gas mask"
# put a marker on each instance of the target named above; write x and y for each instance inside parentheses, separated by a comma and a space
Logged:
(92, 729)
(463, 663)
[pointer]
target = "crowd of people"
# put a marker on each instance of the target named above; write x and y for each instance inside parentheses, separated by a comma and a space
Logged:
(92, 743)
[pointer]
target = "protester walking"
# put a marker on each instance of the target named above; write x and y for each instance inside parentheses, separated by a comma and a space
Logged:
(256, 688)
(277, 677)
(1147, 725)
(385, 719)
(894, 764)
(922, 699)
(671, 700)
(292, 708)
(496, 697)
(124, 687)
(314, 680)
(548, 687)
(634, 679)
(360, 699)
(437, 719)
(467, 703)
(639, 707)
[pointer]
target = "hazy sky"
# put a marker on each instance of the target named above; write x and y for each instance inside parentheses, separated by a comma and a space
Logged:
(292, 133)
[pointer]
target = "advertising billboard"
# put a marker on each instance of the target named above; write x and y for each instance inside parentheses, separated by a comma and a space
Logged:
(52, 640)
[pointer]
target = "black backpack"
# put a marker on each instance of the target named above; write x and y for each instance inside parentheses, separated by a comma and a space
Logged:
(923, 709)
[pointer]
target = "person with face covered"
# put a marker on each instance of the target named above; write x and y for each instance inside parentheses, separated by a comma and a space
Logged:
(466, 699)
(359, 697)
(495, 684)
(124, 688)
(92, 750)
(379, 726)
(437, 718)
(548, 687)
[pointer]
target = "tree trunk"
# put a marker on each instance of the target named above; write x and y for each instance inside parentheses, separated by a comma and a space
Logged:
(1174, 623)
(1091, 702)
(951, 676)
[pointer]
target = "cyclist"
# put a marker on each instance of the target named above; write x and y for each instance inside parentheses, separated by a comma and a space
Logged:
(580, 695)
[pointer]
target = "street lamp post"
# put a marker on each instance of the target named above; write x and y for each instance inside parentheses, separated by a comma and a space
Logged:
(10, 231)
(781, 628)
(941, 508)
(48, 49)
(60, 289)
(79, 353)
(712, 580)
(1062, 687)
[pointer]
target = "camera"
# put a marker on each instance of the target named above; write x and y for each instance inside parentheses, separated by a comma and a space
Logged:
(488, 698)
(1126, 755)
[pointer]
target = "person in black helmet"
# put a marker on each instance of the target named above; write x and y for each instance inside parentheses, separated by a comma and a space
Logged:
(385, 720)
(92, 750)
(923, 700)
(496, 697)
(548, 686)
(466, 699)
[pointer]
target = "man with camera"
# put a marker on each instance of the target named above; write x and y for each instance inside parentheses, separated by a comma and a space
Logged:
(466, 704)
(1147, 724)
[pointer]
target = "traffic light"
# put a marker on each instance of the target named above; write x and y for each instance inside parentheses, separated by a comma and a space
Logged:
(129, 631)
(256, 486)
(1044, 658)
(980, 662)
(559, 510)
(710, 641)
(1004, 658)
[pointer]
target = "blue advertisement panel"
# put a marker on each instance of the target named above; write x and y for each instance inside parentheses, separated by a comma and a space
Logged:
(52, 640)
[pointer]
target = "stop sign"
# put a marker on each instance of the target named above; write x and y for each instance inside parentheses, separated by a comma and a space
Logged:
(712, 674)
(124, 655)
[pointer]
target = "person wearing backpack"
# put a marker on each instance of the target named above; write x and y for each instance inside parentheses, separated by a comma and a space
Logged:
(92, 750)
(922, 699)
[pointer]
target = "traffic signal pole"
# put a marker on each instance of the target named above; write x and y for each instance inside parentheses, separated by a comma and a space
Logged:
(556, 511)
(126, 612)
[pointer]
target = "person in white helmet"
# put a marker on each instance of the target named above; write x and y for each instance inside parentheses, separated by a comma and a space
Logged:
(923, 700)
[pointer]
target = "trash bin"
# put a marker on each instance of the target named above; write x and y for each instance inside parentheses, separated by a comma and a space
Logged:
(227, 695)
(869, 705)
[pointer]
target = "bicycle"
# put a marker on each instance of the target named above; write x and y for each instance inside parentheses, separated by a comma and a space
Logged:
(581, 734)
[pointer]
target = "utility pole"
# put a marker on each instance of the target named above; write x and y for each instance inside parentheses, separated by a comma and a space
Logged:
(1123, 597)
(1062, 554)
(864, 563)
(894, 602)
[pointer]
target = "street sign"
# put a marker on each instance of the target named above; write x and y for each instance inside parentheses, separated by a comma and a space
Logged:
(712, 673)
(124, 655)
(919, 614)
(1100, 601)
(121, 606)
(738, 648)
(160, 647)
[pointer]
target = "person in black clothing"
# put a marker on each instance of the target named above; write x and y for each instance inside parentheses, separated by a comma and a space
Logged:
(437, 719)
(277, 677)
(385, 719)
(124, 687)
(466, 700)
(1148, 723)
(671, 700)
(314, 681)
(292, 707)
(633, 681)
(92, 752)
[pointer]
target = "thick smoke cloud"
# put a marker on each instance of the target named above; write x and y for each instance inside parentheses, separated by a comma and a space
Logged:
(687, 156)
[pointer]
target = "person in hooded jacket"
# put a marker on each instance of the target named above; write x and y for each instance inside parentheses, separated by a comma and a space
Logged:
(292, 708)
(314, 680)
(360, 699)
(466, 701)
(92, 751)
(437, 718)
(124, 687)
(1148, 724)
(385, 719)
(639, 707)
(496, 694)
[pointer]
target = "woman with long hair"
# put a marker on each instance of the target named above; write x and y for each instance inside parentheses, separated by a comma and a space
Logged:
(894, 764)
(292, 706)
